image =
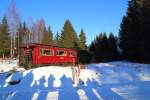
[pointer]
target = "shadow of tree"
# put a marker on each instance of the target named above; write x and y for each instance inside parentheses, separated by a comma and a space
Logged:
(67, 91)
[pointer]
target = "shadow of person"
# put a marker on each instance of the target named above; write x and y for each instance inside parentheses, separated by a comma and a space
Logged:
(67, 91)
(42, 82)
(44, 90)
(35, 86)
(89, 91)
(51, 80)
(102, 92)
(42, 95)
(27, 81)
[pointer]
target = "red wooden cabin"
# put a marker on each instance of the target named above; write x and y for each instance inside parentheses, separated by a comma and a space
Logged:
(40, 54)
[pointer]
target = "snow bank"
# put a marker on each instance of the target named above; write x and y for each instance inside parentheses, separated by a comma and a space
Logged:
(121, 72)
(7, 65)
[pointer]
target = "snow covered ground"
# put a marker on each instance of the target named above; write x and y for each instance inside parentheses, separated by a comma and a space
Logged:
(7, 65)
(103, 81)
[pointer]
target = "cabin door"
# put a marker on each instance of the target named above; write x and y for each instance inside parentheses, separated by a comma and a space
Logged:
(29, 56)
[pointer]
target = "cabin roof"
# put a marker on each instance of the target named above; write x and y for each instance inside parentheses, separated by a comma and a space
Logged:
(33, 45)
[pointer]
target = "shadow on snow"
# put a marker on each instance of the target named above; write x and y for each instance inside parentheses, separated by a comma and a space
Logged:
(26, 91)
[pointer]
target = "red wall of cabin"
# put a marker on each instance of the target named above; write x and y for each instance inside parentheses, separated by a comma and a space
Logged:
(40, 59)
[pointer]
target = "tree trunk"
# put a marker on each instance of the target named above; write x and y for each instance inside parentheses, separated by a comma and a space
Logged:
(14, 48)
(11, 51)
(3, 57)
(18, 46)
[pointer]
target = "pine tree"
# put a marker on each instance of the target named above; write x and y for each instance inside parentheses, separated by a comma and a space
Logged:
(47, 37)
(4, 38)
(82, 40)
(128, 32)
(98, 48)
(56, 39)
(50, 34)
(104, 48)
(113, 51)
(68, 36)
(134, 31)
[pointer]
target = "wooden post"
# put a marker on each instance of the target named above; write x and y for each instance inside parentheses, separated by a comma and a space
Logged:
(73, 71)
(78, 74)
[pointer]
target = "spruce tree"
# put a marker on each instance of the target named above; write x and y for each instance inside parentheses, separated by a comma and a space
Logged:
(68, 36)
(50, 34)
(113, 50)
(82, 40)
(98, 48)
(47, 37)
(104, 48)
(134, 31)
(56, 39)
(4, 38)
(129, 30)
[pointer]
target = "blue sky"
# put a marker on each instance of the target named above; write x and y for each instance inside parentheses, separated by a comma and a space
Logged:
(94, 16)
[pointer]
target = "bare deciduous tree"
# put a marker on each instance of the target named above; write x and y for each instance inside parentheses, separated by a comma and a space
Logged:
(41, 28)
(30, 33)
(37, 31)
(13, 23)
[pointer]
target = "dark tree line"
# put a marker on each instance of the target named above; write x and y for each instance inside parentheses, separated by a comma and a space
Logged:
(104, 48)
(135, 32)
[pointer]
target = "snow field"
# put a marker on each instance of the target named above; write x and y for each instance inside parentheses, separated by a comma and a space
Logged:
(103, 81)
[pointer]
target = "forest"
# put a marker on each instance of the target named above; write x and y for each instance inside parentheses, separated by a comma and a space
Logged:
(131, 44)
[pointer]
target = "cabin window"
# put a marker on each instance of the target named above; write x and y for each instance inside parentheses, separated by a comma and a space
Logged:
(47, 52)
(61, 53)
(65, 54)
(41, 51)
(71, 53)
(57, 53)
